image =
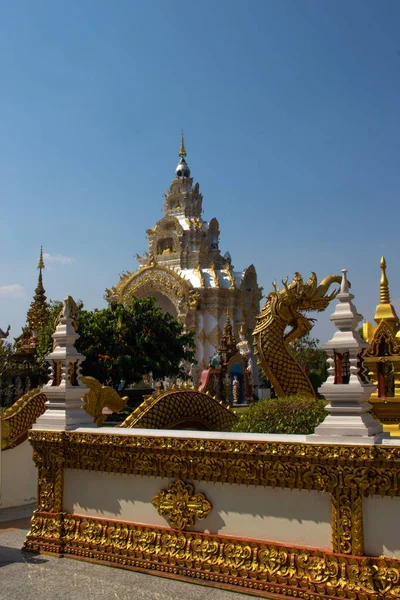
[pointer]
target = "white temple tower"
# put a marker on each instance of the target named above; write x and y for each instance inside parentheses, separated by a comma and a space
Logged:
(186, 274)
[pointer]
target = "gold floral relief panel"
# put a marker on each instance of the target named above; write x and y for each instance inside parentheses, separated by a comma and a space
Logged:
(250, 565)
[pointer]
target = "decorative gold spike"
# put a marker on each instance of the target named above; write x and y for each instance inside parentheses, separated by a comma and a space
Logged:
(182, 149)
(384, 285)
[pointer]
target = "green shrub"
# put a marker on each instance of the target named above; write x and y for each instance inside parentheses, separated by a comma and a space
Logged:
(292, 414)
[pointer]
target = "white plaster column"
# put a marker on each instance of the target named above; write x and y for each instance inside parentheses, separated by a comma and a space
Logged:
(349, 420)
(64, 390)
(198, 340)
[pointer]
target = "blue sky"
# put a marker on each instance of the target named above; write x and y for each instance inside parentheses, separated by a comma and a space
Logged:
(291, 119)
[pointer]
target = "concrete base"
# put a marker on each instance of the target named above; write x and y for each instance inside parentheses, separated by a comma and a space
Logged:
(344, 440)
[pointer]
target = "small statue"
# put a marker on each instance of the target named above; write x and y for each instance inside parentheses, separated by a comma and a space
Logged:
(192, 373)
(235, 390)
(215, 360)
(151, 379)
(18, 388)
(243, 346)
(250, 366)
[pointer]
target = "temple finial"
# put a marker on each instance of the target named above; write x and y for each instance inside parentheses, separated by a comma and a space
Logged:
(182, 170)
(384, 285)
(41, 262)
(344, 287)
(182, 149)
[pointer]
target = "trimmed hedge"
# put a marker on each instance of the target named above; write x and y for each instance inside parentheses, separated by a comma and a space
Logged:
(292, 414)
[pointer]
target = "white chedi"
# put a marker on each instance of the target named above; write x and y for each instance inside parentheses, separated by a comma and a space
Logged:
(347, 388)
(65, 391)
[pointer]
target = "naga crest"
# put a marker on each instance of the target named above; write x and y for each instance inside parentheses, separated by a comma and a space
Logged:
(282, 320)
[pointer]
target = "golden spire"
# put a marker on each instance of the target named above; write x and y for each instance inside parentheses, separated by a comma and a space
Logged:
(385, 296)
(39, 310)
(182, 149)
(384, 311)
(41, 262)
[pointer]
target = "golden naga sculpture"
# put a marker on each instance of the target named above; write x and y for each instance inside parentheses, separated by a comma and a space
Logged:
(181, 407)
(285, 308)
(16, 421)
(101, 397)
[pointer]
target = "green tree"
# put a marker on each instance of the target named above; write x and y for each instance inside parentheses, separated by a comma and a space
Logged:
(312, 358)
(10, 369)
(123, 343)
(45, 340)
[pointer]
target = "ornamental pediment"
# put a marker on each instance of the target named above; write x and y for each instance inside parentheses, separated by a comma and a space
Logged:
(384, 342)
(168, 224)
(156, 278)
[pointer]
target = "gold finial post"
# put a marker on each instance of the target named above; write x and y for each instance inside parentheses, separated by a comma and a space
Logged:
(41, 262)
(384, 285)
(182, 149)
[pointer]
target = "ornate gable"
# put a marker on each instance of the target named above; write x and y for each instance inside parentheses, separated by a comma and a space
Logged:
(384, 342)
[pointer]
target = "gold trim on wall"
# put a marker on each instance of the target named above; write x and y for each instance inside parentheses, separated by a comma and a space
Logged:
(348, 473)
(249, 565)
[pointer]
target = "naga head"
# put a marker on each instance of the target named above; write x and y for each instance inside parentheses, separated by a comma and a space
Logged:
(298, 297)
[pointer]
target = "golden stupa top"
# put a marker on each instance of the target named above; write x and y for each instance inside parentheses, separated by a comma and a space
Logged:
(385, 311)
(182, 149)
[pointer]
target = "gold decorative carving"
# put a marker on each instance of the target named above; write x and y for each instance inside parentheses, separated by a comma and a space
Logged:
(49, 458)
(193, 298)
(181, 505)
(285, 308)
(19, 418)
(99, 397)
(131, 282)
(346, 472)
(229, 271)
(347, 521)
(252, 566)
(214, 275)
(200, 275)
(179, 407)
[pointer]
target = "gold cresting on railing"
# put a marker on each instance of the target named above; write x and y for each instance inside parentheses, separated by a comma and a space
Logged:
(347, 473)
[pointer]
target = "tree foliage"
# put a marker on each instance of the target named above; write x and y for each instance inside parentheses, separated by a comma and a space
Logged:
(120, 345)
(45, 341)
(123, 343)
(312, 358)
(292, 414)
